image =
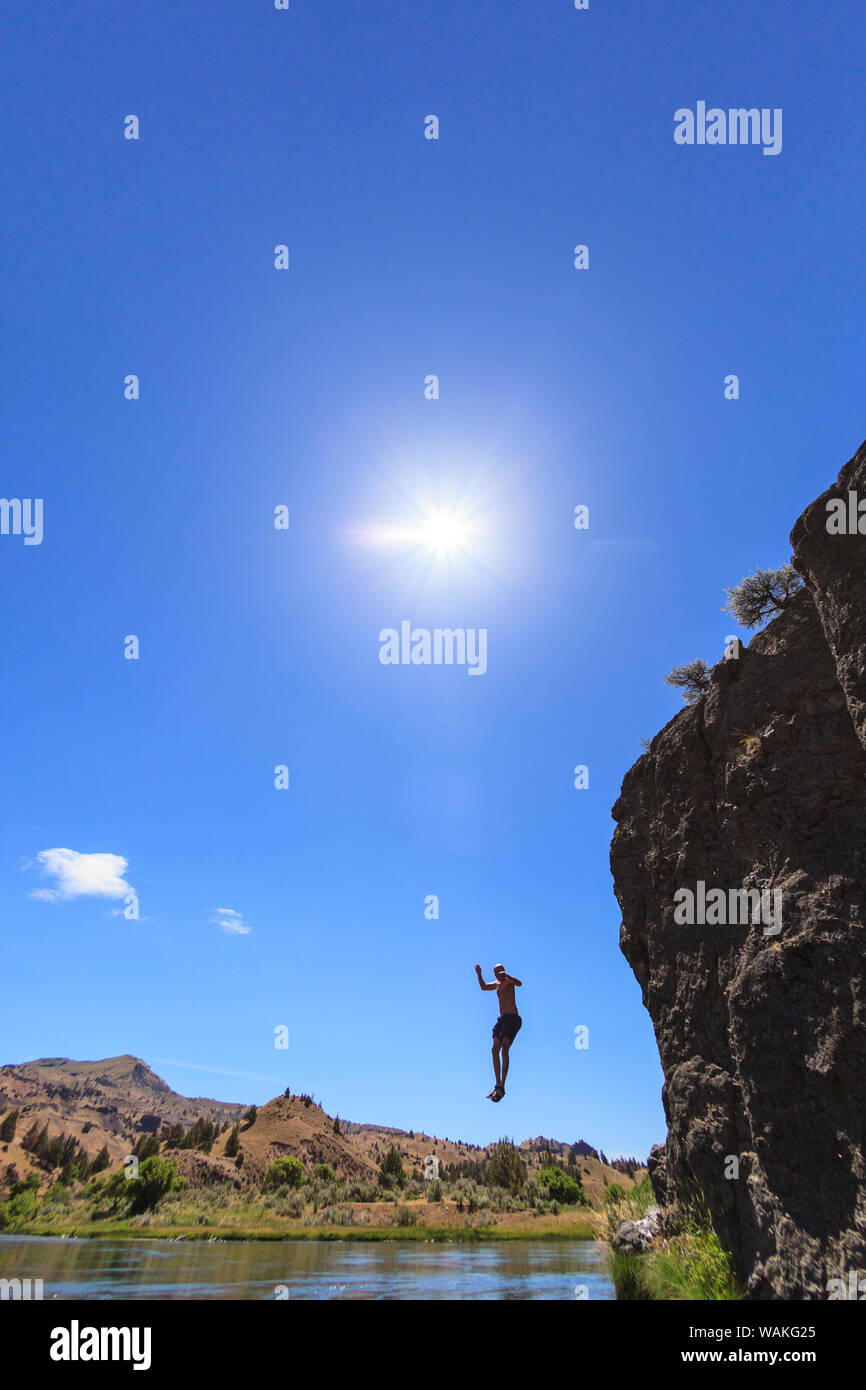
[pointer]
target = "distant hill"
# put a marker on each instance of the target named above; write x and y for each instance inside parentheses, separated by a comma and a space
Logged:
(119, 1100)
(111, 1103)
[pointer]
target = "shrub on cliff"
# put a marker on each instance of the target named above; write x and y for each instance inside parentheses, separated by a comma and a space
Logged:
(762, 593)
(692, 679)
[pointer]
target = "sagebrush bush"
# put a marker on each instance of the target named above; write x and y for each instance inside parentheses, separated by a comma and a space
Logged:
(337, 1216)
(290, 1203)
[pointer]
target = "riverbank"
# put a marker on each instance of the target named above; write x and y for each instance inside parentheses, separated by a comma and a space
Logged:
(581, 1225)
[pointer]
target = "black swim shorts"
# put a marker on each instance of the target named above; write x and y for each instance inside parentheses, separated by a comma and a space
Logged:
(507, 1026)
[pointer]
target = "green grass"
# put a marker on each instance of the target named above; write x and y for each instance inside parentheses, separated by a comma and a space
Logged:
(624, 1205)
(119, 1230)
(626, 1276)
(692, 1266)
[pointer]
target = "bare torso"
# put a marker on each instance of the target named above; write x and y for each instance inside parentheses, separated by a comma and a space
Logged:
(506, 998)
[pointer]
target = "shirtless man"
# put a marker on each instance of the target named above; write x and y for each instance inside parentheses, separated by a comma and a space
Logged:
(507, 1025)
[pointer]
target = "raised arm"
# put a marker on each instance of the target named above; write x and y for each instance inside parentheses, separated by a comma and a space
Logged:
(513, 980)
(481, 979)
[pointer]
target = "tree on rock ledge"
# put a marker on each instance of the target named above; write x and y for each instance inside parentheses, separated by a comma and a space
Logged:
(693, 679)
(762, 593)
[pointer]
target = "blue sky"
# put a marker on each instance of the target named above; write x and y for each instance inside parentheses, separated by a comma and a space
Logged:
(305, 387)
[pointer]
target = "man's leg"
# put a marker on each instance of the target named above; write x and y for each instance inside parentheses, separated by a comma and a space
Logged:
(506, 1048)
(496, 1046)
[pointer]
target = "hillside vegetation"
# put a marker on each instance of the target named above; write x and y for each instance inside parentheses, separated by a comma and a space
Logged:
(108, 1148)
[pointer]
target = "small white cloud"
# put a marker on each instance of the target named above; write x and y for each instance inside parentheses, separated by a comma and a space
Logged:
(81, 875)
(231, 922)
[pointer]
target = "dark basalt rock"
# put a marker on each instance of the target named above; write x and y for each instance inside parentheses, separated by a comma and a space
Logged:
(657, 1173)
(762, 784)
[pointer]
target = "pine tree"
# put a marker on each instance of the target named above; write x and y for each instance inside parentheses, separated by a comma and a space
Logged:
(7, 1128)
(101, 1161)
(391, 1169)
(28, 1143)
(505, 1167)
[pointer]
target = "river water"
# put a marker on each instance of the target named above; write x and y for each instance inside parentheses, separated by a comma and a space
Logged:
(111, 1269)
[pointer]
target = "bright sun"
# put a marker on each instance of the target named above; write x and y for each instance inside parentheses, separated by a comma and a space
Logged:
(440, 537)
(445, 532)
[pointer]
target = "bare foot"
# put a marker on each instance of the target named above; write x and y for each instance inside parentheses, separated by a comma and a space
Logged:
(498, 1093)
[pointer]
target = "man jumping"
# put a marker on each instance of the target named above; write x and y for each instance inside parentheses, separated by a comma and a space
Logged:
(507, 1025)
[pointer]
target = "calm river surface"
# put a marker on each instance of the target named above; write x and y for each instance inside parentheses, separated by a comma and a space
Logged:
(306, 1269)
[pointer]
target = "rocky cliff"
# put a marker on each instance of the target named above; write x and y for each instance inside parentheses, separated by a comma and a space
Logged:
(761, 1023)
